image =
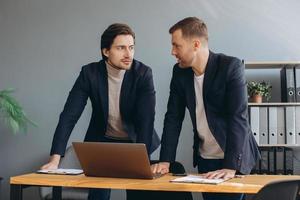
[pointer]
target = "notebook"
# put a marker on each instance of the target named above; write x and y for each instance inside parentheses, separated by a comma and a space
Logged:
(118, 160)
(60, 171)
(197, 179)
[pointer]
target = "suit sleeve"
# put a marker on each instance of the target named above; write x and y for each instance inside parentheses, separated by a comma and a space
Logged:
(173, 119)
(145, 110)
(236, 104)
(72, 111)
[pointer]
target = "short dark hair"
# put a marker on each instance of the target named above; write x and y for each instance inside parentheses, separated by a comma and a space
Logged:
(191, 27)
(108, 36)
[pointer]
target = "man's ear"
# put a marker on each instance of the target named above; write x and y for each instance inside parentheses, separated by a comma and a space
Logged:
(105, 52)
(197, 44)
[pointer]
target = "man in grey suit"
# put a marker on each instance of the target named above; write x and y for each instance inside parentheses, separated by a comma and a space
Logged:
(213, 88)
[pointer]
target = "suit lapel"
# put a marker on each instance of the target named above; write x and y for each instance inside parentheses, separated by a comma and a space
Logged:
(210, 71)
(103, 88)
(190, 95)
(190, 87)
(125, 90)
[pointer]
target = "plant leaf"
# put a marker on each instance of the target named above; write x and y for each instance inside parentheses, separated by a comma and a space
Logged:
(12, 112)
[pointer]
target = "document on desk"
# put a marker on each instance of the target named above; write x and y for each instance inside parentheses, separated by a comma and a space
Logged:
(197, 179)
(61, 171)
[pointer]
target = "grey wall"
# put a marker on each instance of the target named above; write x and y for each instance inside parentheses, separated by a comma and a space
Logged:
(44, 43)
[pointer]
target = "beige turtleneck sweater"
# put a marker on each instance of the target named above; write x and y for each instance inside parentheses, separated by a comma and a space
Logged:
(115, 126)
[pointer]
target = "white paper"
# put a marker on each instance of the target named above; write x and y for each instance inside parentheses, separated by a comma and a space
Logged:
(197, 179)
(61, 171)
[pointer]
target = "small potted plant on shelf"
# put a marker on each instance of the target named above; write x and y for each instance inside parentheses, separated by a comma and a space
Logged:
(257, 90)
(12, 113)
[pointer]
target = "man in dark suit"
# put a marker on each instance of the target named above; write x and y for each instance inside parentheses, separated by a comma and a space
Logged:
(213, 88)
(122, 95)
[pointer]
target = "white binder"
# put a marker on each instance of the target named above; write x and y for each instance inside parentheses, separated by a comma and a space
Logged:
(290, 125)
(297, 122)
(263, 125)
(273, 125)
(254, 122)
(280, 126)
(297, 82)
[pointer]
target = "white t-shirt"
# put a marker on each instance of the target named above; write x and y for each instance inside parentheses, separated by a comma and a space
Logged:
(209, 148)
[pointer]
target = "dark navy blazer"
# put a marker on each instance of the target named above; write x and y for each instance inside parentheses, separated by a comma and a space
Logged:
(137, 106)
(225, 103)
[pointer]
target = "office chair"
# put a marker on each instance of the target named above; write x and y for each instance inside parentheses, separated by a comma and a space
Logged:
(68, 161)
(279, 190)
(0, 187)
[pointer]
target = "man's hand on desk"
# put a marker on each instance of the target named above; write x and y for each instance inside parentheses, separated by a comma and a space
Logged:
(161, 167)
(222, 173)
(53, 162)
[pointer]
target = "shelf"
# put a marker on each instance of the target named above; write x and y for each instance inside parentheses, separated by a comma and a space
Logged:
(280, 145)
(269, 65)
(275, 104)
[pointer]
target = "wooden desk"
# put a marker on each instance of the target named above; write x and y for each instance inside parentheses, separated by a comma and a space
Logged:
(249, 184)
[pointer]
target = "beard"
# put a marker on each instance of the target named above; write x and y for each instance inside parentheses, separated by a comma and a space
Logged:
(121, 65)
(183, 64)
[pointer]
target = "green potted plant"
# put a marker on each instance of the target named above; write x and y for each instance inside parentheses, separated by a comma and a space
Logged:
(257, 90)
(12, 113)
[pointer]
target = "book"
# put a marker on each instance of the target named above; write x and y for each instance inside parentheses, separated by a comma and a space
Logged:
(197, 179)
(61, 171)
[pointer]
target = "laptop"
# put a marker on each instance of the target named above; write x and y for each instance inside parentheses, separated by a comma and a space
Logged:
(118, 160)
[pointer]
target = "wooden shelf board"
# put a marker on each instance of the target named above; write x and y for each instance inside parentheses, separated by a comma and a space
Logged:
(280, 145)
(269, 64)
(275, 104)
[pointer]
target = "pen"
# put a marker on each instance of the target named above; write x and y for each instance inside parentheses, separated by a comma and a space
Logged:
(239, 176)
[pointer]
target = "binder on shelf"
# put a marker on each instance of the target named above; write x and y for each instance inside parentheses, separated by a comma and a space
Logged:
(289, 164)
(280, 169)
(272, 160)
(297, 82)
(263, 125)
(254, 122)
(290, 125)
(297, 128)
(264, 161)
(273, 125)
(280, 126)
(287, 84)
(256, 169)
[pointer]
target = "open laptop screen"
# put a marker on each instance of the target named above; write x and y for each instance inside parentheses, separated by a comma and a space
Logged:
(119, 160)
